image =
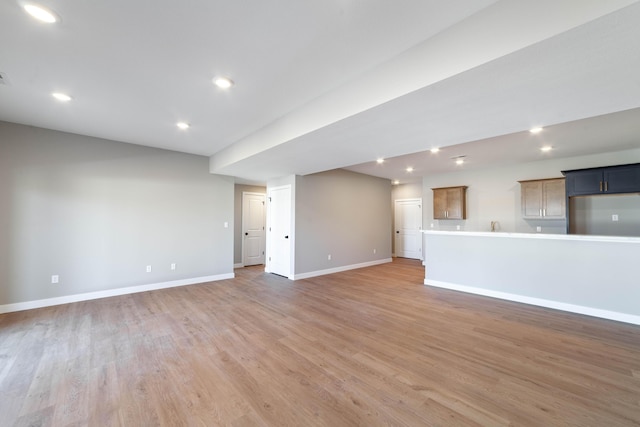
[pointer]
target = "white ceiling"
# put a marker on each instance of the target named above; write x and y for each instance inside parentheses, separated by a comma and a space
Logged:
(330, 84)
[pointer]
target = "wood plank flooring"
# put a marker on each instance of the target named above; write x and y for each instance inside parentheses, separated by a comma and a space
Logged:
(365, 347)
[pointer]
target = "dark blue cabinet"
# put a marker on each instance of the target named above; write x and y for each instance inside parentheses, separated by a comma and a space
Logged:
(607, 180)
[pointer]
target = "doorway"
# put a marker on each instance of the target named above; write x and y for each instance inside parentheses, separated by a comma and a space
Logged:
(253, 228)
(279, 231)
(408, 228)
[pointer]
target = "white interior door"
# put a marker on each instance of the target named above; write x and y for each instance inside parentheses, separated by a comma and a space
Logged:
(253, 232)
(279, 232)
(408, 226)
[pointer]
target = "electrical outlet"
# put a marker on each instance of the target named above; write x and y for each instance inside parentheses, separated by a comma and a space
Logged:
(55, 279)
(226, 224)
(457, 227)
(329, 257)
(614, 217)
(173, 265)
(538, 229)
(148, 269)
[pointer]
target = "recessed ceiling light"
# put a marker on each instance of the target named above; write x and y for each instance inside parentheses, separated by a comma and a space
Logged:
(40, 13)
(396, 182)
(535, 130)
(61, 96)
(546, 148)
(435, 150)
(182, 125)
(459, 161)
(409, 169)
(223, 82)
(380, 161)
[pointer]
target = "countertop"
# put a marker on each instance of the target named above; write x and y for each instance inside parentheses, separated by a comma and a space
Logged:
(500, 234)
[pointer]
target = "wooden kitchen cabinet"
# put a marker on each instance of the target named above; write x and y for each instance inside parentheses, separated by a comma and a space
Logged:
(543, 198)
(450, 203)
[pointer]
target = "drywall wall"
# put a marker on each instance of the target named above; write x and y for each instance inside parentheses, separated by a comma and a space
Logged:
(343, 214)
(592, 275)
(97, 212)
(237, 217)
(406, 191)
(594, 215)
(494, 194)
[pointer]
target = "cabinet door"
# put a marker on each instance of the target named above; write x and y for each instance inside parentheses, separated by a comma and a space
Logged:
(554, 200)
(531, 195)
(456, 203)
(585, 182)
(622, 179)
(439, 204)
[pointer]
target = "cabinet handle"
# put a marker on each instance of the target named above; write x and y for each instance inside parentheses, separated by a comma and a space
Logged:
(600, 185)
(606, 186)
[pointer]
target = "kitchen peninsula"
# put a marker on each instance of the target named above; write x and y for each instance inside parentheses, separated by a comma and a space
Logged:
(592, 275)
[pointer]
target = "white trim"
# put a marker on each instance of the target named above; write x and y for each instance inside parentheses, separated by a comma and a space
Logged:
(572, 308)
(338, 269)
(395, 223)
(242, 226)
(581, 237)
(292, 227)
(410, 199)
(28, 305)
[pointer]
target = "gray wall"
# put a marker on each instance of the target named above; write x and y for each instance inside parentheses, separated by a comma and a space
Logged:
(97, 212)
(583, 274)
(237, 217)
(494, 194)
(342, 213)
(593, 215)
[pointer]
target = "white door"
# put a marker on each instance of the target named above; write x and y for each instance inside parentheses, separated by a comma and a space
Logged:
(408, 226)
(279, 232)
(253, 232)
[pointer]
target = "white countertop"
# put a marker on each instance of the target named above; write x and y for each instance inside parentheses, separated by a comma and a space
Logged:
(500, 234)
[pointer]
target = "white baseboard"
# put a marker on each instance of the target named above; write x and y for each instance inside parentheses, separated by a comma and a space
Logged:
(28, 305)
(572, 308)
(339, 269)
(238, 265)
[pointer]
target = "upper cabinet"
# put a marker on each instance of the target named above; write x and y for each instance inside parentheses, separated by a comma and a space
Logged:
(450, 203)
(606, 180)
(543, 198)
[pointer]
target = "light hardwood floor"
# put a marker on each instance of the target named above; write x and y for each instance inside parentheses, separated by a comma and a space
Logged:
(365, 347)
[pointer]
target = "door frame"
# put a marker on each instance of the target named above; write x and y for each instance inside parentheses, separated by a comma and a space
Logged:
(412, 199)
(267, 260)
(242, 229)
